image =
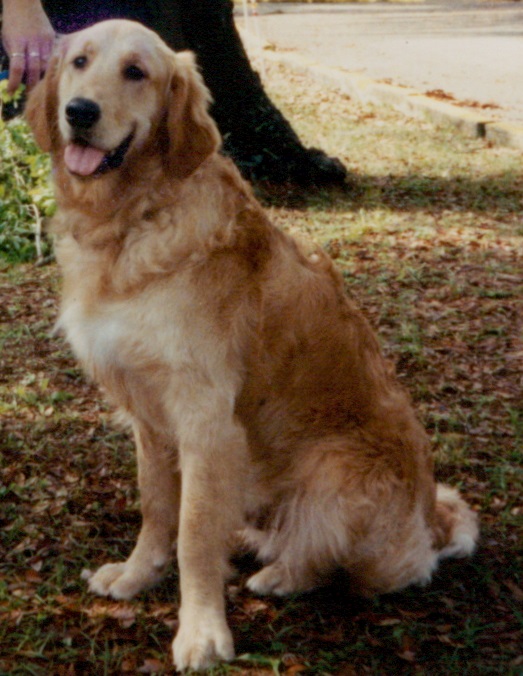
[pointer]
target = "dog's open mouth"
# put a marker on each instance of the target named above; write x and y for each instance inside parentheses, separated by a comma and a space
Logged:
(83, 159)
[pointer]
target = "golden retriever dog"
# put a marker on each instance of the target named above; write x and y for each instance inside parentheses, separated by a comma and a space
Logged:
(261, 405)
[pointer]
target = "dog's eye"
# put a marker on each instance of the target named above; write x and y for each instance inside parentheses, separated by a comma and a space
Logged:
(134, 73)
(80, 62)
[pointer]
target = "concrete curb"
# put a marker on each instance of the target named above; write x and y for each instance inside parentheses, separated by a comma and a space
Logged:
(406, 100)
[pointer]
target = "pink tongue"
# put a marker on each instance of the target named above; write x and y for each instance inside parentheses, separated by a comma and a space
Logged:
(82, 160)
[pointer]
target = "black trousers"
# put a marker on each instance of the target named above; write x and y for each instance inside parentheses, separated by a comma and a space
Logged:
(67, 16)
(160, 15)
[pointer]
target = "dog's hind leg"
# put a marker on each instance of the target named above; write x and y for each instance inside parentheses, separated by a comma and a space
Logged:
(313, 526)
(300, 549)
(159, 484)
(350, 512)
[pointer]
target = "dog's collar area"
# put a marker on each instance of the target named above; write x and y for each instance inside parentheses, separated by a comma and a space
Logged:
(83, 159)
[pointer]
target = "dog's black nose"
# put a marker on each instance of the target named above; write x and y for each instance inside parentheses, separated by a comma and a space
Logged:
(82, 113)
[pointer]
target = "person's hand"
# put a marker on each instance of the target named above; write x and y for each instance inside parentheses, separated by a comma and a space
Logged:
(28, 38)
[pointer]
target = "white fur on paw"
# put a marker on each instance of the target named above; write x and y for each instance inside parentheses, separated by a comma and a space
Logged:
(198, 644)
(117, 580)
(100, 582)
(274, 579)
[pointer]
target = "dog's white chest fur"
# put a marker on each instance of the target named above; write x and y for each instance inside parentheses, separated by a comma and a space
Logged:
(137, 333)
(96, 337)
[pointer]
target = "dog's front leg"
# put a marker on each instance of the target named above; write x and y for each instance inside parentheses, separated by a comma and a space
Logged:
(159, 483)
(213, 451)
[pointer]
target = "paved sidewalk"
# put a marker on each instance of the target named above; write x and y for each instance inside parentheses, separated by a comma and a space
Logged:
(457, 60)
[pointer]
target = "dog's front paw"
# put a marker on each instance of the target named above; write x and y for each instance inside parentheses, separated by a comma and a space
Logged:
(119, 580)
(200, 643)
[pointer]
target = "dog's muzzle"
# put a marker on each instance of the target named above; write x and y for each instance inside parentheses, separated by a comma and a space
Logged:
(80, 156)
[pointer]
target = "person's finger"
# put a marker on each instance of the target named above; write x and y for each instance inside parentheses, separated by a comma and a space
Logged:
(33, 67)
(46, 51)
(45, 55)
(16, 71)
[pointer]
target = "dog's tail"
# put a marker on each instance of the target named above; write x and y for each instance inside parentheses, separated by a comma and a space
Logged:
(456, 528)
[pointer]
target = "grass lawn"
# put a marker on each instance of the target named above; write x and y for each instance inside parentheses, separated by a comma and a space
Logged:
(430, 241)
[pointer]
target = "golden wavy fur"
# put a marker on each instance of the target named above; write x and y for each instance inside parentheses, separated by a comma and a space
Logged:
(256, 390)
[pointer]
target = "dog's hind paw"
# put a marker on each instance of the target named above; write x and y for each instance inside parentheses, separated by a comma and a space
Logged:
(275, 579)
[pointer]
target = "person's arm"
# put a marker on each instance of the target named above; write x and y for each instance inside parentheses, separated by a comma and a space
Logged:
(28, 37)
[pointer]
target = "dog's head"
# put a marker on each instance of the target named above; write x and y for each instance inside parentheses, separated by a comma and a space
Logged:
(115, 91)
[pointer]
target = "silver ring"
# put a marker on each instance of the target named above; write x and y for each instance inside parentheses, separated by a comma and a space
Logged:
(14, 54)
(34, 54)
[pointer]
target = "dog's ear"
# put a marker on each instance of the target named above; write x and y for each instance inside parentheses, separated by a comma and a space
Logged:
(42, 104)
(192, 133)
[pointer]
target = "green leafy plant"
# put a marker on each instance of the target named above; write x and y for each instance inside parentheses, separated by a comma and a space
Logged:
(26, 197)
